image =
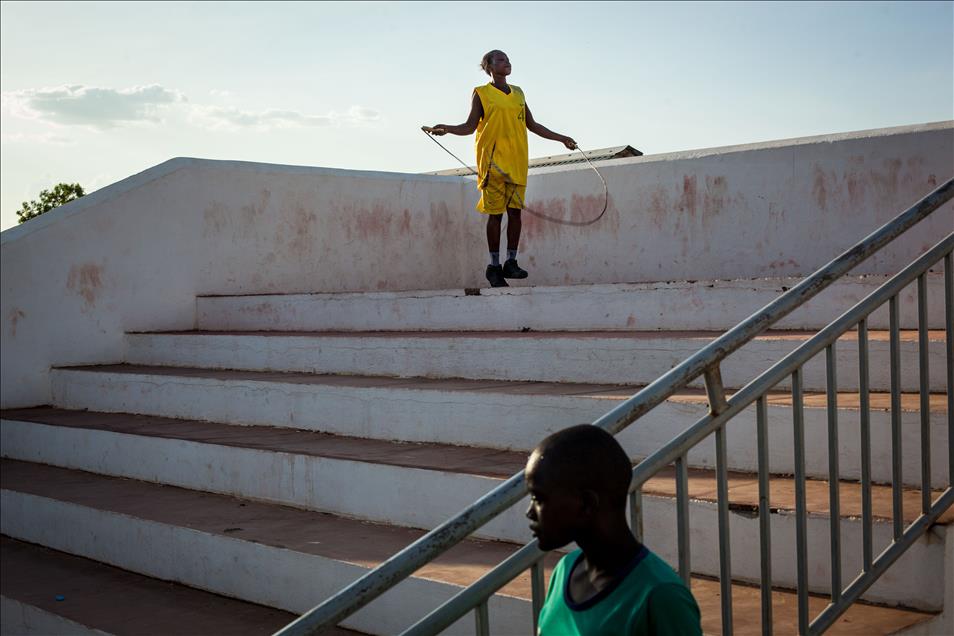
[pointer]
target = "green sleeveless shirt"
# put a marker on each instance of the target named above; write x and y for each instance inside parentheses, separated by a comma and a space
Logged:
(647, 598)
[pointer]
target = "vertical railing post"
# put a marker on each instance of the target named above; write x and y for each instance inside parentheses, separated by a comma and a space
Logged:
(924, 394)
(636, 513)
(483, 619)
(765, 515)
(682, 519)
(725, 555)
(536, 591)
(895, 354)
(834, 476)
(801, 528)
(865, 415)
(717, 404)
(715, 390)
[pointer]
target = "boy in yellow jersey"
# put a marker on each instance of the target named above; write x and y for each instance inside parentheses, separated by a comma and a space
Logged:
(578, 480)
(501, 117)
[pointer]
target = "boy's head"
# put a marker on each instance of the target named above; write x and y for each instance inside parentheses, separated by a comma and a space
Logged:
(495, 62)
(578, 480)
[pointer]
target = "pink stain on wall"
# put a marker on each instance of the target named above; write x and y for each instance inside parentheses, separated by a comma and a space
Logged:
(587, 208)
(380, 222)
(820, 189)
(852, 192)
(856, 191)
(536, 229)
(404, 225)
(658, 206)
(85, 280)
(582, 209)
(683, 218)
(887, 182)
(915, 165)
(373, 223)
(687, 202)
(250, 214)
(715, 196)
(215, 218)
(300, 230)
(443, 228)
(15, 315)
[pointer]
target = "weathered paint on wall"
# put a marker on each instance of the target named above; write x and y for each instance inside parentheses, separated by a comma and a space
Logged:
(777, 209)
(134, 255)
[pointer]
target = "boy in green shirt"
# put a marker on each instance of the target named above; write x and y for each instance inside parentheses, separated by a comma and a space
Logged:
(578, 480)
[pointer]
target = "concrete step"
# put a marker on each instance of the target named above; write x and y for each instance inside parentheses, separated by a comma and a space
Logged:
(17, 618)
(637, 357)
(44, 587)
(288, 558)
(706, 305)
(420, 485)
(496, 414)
(272, 555)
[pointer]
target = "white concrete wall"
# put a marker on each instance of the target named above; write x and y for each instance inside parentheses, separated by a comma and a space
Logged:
(759, 210)
(133, 256)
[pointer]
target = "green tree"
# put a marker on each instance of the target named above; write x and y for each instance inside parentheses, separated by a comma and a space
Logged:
(60, 194)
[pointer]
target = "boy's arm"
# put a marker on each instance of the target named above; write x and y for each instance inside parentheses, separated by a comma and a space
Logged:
(673, 611)
(469, 126)
(546, 133)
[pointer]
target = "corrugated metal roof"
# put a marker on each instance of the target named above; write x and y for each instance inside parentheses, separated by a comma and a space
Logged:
(604, 154)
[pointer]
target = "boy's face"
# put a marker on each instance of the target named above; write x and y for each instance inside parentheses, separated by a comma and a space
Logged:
(556, 512)
(500, 64)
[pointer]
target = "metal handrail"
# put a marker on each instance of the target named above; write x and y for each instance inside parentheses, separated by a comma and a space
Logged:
(704, 362)
(784, 367)
(465, 600)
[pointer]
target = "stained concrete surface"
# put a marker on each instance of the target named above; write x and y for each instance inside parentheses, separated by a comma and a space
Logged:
(120, 602)
(742, 487)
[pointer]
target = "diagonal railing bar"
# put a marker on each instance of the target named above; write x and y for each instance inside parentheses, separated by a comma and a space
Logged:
(519, 561)
(787, 365)
(487, 585)
(890, 554)
(679, 376)
(401, 565)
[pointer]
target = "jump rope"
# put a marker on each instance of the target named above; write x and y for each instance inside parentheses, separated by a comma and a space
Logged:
(426, 130)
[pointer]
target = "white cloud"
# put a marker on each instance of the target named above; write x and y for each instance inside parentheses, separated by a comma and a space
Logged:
(104, 108)
(230, 118)
(360, 113)
(90, 105)
(37, 138)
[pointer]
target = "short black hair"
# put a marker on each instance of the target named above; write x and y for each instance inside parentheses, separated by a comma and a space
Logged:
(487, 59)
(588, 458)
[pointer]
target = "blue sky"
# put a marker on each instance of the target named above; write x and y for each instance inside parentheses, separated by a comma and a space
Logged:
(95, 92)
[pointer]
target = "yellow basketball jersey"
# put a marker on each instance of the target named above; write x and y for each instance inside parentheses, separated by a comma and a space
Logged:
(502, 135)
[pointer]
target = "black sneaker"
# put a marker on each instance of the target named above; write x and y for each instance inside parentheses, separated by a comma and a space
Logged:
(495, 274)
(512, 270)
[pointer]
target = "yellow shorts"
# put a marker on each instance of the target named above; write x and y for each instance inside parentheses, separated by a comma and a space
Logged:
(498, 195)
